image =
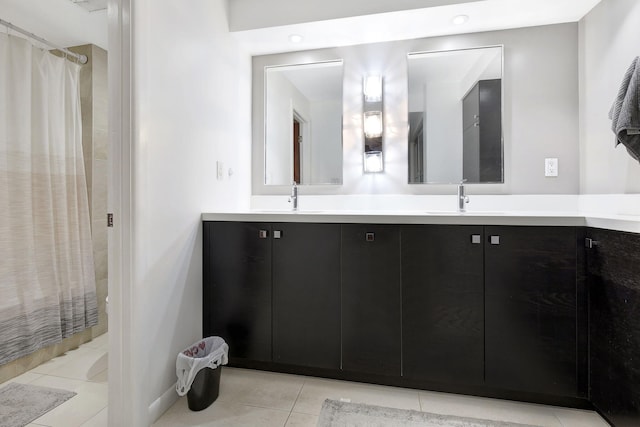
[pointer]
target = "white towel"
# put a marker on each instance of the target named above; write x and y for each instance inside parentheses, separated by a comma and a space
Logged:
(625, 111)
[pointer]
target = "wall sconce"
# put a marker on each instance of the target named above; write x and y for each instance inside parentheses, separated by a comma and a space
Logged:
(373, 89)
(373, 124)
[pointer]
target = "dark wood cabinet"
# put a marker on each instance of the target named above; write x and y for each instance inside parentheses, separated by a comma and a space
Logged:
(614, 298)
(237, 287)
(371, 299)
(482, 132)
(443, 303)
(531, 309)
(493, 310)
(306, 294)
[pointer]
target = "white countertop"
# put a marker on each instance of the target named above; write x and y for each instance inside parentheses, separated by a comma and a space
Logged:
(629, 223)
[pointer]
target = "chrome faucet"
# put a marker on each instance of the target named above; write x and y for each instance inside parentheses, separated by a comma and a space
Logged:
(293, 199)
(462, 199)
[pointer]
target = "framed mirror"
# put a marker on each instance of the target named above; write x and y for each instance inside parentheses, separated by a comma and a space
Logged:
(455, 116)
(303, 124)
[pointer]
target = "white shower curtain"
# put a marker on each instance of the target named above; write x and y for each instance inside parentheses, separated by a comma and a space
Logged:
(47, 282)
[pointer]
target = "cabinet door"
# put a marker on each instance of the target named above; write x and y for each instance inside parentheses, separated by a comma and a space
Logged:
(371, 299)
(614, 328)
(306, 294)
(443, 303)
(531, 306)
(237, 287)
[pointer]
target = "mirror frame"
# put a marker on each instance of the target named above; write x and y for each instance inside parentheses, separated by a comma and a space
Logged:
(502, 101)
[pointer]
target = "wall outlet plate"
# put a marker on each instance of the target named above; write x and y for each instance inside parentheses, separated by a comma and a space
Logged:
(551, 167)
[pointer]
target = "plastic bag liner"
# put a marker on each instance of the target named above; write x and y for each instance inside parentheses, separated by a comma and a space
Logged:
(210, 352)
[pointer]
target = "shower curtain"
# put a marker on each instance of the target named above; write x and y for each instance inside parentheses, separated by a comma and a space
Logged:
(47, 282)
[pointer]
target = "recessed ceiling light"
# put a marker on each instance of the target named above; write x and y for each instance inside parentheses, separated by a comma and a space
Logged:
(460, 19)
(295, 38)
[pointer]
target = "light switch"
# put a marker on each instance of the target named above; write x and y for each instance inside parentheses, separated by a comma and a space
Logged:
(219, 170)
(551, 167)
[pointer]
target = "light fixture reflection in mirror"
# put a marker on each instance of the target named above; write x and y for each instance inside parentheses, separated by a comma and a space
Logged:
(373, 123)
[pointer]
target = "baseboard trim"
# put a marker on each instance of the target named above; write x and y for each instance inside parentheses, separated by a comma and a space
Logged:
(162, 403)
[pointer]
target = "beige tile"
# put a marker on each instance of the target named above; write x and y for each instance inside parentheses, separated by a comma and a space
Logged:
(489, 409)
(59, 382)
(99, 189)
(258, 388)
(301, 420)
(26, 378)
(100, 260)
(101, 377)
(99, 420)
(579, 418)
(223, 414)
(91, 398)
(316, 390)
(100, 342)
(81, 363)
(100, 143)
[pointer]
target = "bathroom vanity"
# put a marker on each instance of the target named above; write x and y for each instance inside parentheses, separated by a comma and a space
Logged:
(508, 306)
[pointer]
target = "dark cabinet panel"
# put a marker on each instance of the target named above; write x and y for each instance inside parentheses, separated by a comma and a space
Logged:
(306, 294)
(371, 299)
(482, 132)
(237, 287)
(443, 303)
(531, 306)
(614, 333)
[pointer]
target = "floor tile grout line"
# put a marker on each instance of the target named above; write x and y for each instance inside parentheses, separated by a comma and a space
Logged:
(294, 402)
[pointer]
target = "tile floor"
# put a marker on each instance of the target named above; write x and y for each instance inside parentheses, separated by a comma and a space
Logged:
(83, 370)
(255, 398)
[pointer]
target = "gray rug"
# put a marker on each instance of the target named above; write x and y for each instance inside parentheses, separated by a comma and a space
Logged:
(342, 414)
(22, 403)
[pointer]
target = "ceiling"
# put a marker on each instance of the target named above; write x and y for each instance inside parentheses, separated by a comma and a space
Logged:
(70, 22)
(61, 22)
(485, 15)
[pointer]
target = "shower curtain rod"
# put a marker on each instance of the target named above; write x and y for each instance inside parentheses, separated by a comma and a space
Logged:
(81, 58)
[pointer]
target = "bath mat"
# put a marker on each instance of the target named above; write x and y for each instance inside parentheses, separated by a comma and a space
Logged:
(342, 414)
(22, 403)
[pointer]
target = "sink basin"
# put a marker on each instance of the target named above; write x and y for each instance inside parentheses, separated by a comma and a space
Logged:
(275, 211)
(476, 213)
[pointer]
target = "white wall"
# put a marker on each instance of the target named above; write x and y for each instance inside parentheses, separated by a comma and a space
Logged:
(325, 142)
(443, 154)
(191, 93)
(609, 41)
(284, 98)
(540, 111)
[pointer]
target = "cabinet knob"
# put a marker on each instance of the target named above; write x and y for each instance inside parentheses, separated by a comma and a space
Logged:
(494, 240)
(370, 237)
(277, 234)
(263, 234)
(476, 239)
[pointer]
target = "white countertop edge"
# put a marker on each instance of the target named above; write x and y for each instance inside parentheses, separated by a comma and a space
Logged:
(626, 223)
(409, 217)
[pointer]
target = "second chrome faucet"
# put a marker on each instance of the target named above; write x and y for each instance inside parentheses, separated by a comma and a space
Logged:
(462, 198)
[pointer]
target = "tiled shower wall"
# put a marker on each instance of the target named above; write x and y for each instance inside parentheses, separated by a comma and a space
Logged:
(94, 97)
